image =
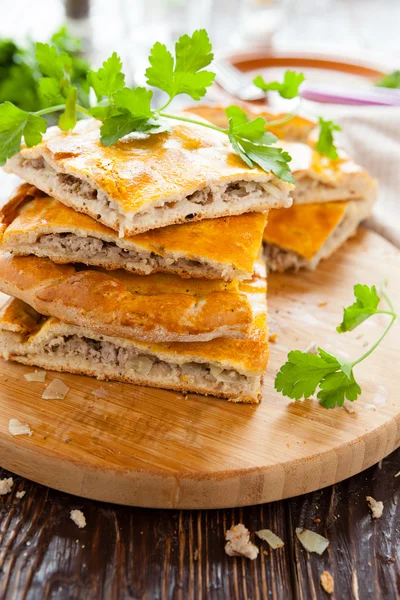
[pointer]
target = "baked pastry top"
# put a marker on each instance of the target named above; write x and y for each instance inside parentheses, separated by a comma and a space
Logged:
(225, 367)
(225, 248)
(156, 307)
(146, 182)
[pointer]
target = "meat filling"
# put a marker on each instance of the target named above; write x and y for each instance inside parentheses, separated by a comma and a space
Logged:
(281, 260)
(84, 196)
(74, 185)
(93, 251)
(106, 355)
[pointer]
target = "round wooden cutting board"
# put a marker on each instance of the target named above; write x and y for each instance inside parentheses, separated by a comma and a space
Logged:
(153, 448)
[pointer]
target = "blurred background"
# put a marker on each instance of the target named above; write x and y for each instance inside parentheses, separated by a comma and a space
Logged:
(360, 29)
(344, 48)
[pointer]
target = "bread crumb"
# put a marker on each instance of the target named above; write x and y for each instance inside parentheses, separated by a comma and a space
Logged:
(238, 542)
(6, 486)
(78, 518)
(265, 552)
(100, 393)
(327, 582)
(348, 405)
(56, 390)
(375, 506)
(322, 303)
(273, 337)
(312, 348)
(15, 427)
(369, 564)
(20, 494)
(36, 376)
(196, 554)
(317, 520)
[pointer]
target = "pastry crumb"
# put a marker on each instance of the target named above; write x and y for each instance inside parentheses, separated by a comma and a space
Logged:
(269, 536)
(36, 376)
(376, 507)
(238, 542)
(348, 405)
(78, 518)
(327, 582)
(322, 303)
(56, 390)
(100, 392)
(312, 348)
(6, 485)
(20, 494)
(273, 337)
(15, 427)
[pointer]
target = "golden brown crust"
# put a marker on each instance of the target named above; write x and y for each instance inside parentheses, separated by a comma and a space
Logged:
(25, 335)
(304, 228)
(154, 307)
(296, 138)
(229, 241)
(141, 184)
(18, 316)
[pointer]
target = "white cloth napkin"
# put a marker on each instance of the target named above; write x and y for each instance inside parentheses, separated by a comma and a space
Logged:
(371, 135)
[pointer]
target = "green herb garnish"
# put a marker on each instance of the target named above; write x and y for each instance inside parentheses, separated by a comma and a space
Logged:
(326, 144)
(289, 88)
(20, 75)
(123, 110)
(304, 373)
(391, 80)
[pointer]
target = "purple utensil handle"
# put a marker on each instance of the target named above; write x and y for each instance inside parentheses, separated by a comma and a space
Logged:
(340, 95)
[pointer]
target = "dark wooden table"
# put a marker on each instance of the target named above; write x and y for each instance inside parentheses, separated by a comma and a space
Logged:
(137, 553)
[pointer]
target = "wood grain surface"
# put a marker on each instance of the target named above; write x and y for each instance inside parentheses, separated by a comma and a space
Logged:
(154, 448)
(136, 553)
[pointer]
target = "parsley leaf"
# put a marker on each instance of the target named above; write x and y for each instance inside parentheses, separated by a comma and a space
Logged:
(336, 387)
(366, 305)
(15, 123)
(137, 102)
(391, 80)
(304, 373)
(184, 74)
(49, 92)
(325, 144)
(288, 89)
(131, 112)
(51, 63)
(109, 78)
(252, 142)
(300, 375)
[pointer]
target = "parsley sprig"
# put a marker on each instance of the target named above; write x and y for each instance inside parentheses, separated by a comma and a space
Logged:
(304, 373)
(289, 89)
(124, 111)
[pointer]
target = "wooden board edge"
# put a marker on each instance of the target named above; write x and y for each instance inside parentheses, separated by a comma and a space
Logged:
(235, 489)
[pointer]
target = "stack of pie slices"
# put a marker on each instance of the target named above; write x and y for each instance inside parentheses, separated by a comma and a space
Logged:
(330, 199)
(139, 262)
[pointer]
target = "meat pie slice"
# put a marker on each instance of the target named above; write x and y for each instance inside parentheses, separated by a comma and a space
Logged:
(223, 367)
(158, 307)
(226, 248)
(303, 235)
(147, 182)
